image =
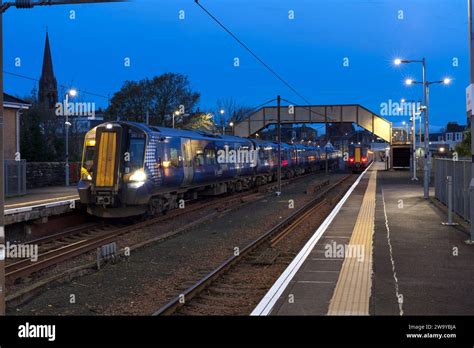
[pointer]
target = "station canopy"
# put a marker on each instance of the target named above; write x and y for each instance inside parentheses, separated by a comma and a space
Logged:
(316, 114)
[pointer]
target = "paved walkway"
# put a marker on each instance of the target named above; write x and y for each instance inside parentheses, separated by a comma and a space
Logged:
(384, 251)
(421, 267)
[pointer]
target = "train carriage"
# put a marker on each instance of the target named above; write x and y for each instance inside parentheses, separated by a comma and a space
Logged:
(131, 168)
(359, 157)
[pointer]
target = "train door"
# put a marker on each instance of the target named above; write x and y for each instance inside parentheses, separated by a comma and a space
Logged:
(187, 161)
(107, 158)
(357, 154)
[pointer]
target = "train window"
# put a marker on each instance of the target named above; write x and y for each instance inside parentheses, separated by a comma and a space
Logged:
(174, 157)
(199, 158)
(89, 157)
(137, 151)
(210, 156)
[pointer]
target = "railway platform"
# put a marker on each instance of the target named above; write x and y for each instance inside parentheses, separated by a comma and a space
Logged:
(383, 250)
(40, 203)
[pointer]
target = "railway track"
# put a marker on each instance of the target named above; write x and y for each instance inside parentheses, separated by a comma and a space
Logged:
(79, 240)
(222, 281)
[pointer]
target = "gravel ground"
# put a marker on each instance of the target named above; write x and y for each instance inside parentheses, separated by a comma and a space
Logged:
(154, 274)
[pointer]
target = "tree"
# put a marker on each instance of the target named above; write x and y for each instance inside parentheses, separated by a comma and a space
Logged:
(159, 96)
(40, 136)
(464, 147)
(233, 111)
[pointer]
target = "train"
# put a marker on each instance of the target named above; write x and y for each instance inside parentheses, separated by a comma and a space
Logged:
(130, 168)
(359, 157)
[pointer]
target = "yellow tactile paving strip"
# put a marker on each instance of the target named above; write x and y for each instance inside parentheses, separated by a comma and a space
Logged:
(352, 293)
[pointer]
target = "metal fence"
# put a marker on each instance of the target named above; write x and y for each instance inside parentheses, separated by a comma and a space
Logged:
(460, 171)
(15, 177)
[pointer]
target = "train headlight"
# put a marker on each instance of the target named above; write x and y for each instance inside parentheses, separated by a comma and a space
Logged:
(138, 176)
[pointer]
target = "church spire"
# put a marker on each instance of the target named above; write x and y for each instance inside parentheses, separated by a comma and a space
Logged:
(48, 90)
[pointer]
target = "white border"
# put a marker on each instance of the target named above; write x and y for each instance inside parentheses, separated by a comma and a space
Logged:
(271, 297)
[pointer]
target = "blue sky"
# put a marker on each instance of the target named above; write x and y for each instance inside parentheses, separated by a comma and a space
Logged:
(308, 51)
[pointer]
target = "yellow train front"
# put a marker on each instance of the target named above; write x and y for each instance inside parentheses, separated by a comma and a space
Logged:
(113, 170)
(359, 157)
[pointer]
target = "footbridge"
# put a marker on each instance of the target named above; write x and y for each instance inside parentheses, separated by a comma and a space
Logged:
(316, 114)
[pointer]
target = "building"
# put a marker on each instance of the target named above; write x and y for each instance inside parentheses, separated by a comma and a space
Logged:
(453, 134)
(448, 138)
(291, 133)
(48, 86)
(12, 108)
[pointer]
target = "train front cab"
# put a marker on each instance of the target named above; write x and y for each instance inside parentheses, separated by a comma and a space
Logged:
(113, 155)
(358, 158)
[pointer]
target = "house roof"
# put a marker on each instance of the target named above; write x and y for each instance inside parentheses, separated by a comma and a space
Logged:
(454, 127)
(10, 101)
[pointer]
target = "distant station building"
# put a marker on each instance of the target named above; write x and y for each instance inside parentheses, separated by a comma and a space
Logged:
(12, 108)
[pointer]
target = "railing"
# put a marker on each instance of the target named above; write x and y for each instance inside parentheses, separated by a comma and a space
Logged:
(15, 177)
(460, 171)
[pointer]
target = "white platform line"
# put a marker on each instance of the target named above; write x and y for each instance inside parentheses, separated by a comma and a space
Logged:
(271, 297)
(46, 205)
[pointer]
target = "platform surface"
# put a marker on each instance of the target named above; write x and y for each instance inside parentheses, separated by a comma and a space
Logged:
(42, 196)
(40, 203)
(384, 252)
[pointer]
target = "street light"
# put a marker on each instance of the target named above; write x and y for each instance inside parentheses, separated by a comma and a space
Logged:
(409, 82)
(231, 125)
(413, 130)
(426, 88)
(175, 114)
(72, 92)
(222, 120)
(23, 4)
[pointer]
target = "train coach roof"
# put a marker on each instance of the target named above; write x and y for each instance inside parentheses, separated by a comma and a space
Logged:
(175, 132)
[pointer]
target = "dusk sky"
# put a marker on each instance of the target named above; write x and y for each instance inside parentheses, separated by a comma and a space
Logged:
(89, 51)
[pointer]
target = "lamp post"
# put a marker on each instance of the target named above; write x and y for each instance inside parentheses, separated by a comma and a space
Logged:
(278, 193)
(176, 113)
(23, 4)
(405, 124)
(231, 125)
(426, 179)
(425, 84)
(413, 135)
(221, 111)
(67, 124)
(471, 81)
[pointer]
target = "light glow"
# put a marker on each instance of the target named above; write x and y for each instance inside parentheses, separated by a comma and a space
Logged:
(139, 176)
